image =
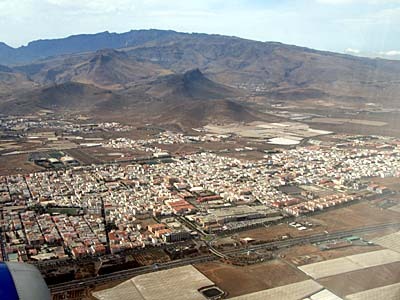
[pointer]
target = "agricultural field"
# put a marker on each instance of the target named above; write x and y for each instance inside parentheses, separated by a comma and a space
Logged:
(350, 263)
(237, 280)
(362, 280)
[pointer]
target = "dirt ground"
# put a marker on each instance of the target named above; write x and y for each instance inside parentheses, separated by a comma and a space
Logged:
(357, 281)
(344, 218)
(390, 129)
(17, 164)
(392, 183)
(307, 254)
(277, 231)
(237, 280)
(101, 287)
(357, 215)
(375, 234)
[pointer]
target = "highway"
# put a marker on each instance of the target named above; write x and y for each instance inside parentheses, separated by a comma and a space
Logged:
(126, 274)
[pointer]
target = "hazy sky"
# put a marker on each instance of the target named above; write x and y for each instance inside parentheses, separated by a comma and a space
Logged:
(364, 27)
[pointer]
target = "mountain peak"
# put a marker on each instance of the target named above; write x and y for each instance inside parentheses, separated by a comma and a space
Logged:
(190, 85)
(194, 74)
(106, 55)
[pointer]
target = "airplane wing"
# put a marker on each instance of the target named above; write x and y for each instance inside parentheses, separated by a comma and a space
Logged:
(19, 281)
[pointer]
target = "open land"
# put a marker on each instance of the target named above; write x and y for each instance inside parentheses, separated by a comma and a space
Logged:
(361, 280)
(148, 196)
(253, 171)
(236, 280)
(360, 214)
(307, 254)
(16, 164)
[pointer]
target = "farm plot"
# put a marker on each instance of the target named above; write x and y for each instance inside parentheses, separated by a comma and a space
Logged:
(292, 291)
(390, 241)
(350, 263)
(389, 292)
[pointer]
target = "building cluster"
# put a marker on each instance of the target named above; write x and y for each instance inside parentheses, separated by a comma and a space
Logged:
(163, 138)
(320, 203)
(44, 236)
(29, 123)
(119, 207)
(14, 191)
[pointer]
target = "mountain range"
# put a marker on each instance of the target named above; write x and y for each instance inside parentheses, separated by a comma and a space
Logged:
(161, 74)
(42, 49)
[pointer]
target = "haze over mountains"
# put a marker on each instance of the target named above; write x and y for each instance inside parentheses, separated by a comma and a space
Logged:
(11, 81)
(107, 67)
(167, 71)
(41, 49)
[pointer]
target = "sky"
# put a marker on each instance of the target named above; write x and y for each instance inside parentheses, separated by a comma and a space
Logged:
(358, 27)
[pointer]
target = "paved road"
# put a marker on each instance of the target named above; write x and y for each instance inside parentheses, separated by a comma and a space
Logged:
(126, 274)
(121, 275)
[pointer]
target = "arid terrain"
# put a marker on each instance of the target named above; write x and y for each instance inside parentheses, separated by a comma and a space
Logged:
(192, 80)
(127, 154)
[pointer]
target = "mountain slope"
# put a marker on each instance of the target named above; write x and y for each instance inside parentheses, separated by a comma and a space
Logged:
(42, 49)
(270, 70)
(191, 100)
(105, 68)
(199, 113)
(68, 96)
(191, 84)
(274, 70)
(277, 69)
(11, 81)
(6, 53)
